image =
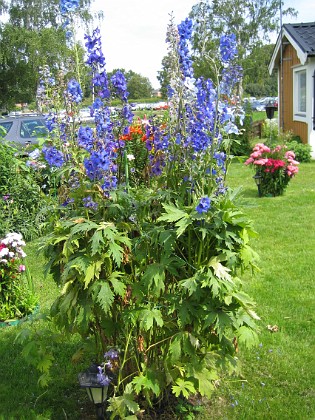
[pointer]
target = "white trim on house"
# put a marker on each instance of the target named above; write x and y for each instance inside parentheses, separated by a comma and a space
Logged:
(276, 52)
(310, 103)
(300, 109)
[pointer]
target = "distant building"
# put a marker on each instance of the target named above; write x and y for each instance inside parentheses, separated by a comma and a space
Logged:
(294, 60)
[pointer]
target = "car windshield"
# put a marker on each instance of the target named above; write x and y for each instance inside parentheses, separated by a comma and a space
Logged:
(5, 128)
(33, 128)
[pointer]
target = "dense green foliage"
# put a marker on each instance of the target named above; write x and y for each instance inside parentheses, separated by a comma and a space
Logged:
(31, 38)
(269, 382)
(257, 81)
(21, 197)
(302, 151)
(147, 246)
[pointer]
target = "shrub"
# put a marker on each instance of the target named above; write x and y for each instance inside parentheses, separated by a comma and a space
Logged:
(17, 297)
(240, 146)
(149, 247)
(21, 197)
(270, 131)
(302, 151)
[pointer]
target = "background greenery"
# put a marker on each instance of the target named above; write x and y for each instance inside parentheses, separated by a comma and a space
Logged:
(277, 378)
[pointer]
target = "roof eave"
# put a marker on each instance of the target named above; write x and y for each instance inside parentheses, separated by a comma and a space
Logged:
(274, 62)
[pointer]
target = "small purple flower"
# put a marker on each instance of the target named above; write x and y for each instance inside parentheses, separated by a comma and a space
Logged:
(102, 378)
(67, 6)
(89, 203)
(85, 138)
(74, 90)
(204, 205)
(120, 85)
(228, 47)
(53, 156)
(111, 354)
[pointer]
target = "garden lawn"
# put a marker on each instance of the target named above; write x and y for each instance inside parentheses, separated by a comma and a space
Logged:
(277, 378)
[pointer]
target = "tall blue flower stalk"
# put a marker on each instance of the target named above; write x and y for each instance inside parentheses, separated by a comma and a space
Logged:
(201, 116)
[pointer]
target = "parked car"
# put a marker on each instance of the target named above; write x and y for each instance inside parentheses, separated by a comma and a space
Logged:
(257, 106)
(85, 115)
(22, 130)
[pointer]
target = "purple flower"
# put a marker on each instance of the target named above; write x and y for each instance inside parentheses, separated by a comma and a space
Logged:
(89, 203)
(120, 85)
(85, 138)
(74, 90)
(67, 6)
(228, 48)
(185, 61)
(53, 156)
(111, 354)
(50, 121)
(204, 205)
(97, 164)
(102, 378)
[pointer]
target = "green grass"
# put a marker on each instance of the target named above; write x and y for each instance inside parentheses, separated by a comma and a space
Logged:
(277, 378)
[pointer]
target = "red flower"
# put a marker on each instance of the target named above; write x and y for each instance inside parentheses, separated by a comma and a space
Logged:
(274, 164)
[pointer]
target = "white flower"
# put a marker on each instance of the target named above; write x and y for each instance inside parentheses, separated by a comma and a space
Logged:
(231, 128)
(4, 251)
(130, 157)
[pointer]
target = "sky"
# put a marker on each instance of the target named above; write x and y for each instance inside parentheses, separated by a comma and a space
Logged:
(134, 31)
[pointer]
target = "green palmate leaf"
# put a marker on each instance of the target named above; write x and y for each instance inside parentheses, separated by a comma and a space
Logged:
(248, 255)
(190, 285)
(116, 252)
(96, 242)
(118, 286)
(219, 269)
(84, 314)
(105, 296)
(210, 320)
(244, 299)
(175, 348)
(68, 300)
(44, 380)
(154, 275)
(167, 239)
(146, 382)
(78, 264)
(223, 322)
(247, 336)
(121, 406)
(92, 272)
(183, 387)
(182, 225)
(173, 214)
(147, 317)
(205, 378)
(82, 226)
(45, 362)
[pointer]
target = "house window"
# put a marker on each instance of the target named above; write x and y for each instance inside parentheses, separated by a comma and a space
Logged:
(300, 93)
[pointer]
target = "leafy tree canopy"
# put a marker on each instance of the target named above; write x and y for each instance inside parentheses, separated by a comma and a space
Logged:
(31, 38)
(252, 21)
(138, 86)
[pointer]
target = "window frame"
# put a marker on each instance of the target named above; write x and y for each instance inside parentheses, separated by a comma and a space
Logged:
(298, 113)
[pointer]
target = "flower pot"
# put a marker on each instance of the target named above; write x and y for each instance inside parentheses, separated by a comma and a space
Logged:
(17, 321)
